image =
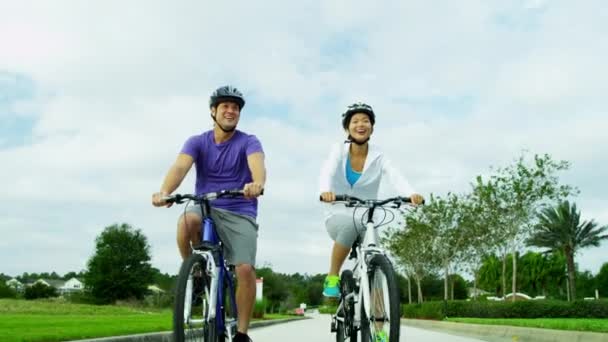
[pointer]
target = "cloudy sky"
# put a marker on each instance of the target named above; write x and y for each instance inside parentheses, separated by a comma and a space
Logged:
(96, 99)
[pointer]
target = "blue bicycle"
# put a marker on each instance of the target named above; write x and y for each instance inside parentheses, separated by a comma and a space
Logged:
(205, 305)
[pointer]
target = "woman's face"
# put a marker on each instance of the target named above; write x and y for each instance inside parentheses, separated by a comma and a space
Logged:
(360, 127)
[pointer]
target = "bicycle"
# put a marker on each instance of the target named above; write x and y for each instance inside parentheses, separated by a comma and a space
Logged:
(205, 302)
(369, 294)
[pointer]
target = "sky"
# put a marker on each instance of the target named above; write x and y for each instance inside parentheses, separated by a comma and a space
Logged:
(97, 99)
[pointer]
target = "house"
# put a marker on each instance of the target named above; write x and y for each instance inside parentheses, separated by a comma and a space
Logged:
(15, 285)
(518, 296)
(62, 286)
(155, 289)
(72, 285)
(476, 292)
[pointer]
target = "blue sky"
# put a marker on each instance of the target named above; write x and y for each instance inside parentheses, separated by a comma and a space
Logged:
(97, 99)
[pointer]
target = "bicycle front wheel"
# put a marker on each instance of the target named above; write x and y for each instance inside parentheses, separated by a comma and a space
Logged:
(384, 318)
(345, 330)
(190, 321)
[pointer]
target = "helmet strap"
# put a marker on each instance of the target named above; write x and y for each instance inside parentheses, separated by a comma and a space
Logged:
(221, 127)
(351, 140)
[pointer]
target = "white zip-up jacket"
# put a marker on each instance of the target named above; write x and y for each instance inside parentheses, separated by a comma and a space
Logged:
(376, 171)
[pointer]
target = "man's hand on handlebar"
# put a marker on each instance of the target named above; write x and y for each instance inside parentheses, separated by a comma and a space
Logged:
(253, 189)
(158, 199)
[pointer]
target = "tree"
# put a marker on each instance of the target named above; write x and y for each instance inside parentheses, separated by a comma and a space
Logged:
(489, 274)
(40, 290)
(601, 280)
(6, 291)
(414, 248)
(73, 274)
(560, 229)
(448, 217)
(520, 191)
(532, 273)
(120, 267)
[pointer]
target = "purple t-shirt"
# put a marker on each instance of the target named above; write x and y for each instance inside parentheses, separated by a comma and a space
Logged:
(224, 167)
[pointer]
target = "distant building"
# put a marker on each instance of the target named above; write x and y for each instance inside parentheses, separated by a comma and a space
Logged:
(15, 285)
(62, 286)
(259, 288)
(155, 289)
(476, 292)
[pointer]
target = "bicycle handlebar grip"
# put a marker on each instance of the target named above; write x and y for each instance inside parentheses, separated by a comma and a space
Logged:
(338, 198)
(171, 199)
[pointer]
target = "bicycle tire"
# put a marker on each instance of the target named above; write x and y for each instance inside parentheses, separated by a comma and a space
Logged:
(194, 268)
(345, 331)
(382, 274)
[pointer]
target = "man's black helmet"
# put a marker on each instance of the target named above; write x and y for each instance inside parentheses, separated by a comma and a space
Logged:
(358, 107)
(227, 93)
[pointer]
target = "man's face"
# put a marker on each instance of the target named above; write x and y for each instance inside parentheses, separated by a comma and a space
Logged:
(227, 114)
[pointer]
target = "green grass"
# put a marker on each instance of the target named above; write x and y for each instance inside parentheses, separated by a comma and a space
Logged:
(22, 320)
(580, 324)
(53, 320)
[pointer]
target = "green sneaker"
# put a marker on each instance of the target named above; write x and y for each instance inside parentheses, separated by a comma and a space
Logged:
(331, 286)
(381, 336)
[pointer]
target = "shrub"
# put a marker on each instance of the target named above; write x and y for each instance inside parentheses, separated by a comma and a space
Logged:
(39, 290)
(518, 309)
(260, 308)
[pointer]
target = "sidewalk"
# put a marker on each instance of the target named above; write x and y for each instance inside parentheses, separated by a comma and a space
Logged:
(166, 336)
(505, 333)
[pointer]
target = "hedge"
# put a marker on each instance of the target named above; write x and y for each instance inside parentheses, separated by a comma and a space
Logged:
(519, 309)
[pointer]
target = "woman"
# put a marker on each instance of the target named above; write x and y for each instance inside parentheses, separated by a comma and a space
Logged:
(355, 168)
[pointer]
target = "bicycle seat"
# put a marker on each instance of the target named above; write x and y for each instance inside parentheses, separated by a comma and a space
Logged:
(206, 246)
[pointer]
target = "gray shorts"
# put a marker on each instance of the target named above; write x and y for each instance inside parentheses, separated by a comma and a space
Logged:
(239, 234)
(343, 229)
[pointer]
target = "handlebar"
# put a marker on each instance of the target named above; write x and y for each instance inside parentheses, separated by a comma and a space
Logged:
(352, 201)
(210, 196)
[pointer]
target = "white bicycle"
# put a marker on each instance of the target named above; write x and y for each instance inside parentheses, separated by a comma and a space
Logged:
(369, 293)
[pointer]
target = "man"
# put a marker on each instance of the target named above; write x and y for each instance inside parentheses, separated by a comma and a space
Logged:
(225, 159)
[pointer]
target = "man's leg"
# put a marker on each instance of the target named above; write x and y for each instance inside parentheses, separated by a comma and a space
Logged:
(188, 231)
(239, 234)
(245, 295)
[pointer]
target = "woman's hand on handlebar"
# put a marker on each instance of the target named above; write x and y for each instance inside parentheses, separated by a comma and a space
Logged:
(328, 197)
(416, 199)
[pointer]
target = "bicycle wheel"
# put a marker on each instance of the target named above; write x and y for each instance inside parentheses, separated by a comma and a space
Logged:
(384, 302)
(229, 309)
(192, 302)
(345, 328)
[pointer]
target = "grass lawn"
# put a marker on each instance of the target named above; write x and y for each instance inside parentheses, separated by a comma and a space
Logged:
(581, 324)
(52, 320)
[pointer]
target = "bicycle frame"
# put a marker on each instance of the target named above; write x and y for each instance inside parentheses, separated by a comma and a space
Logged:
(365, 251)
(368, 248)
(218, 273)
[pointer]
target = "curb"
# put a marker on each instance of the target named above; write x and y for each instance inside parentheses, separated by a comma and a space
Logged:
(167, 336)
(502, 333)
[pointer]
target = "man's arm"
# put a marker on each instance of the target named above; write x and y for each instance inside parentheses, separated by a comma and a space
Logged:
(173, 179)
(258, 175)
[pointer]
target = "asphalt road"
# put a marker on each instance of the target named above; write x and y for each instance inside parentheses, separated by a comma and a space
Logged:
(317, 329)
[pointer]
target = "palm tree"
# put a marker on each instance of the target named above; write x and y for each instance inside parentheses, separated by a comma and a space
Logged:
(561, 229)
(489, 274)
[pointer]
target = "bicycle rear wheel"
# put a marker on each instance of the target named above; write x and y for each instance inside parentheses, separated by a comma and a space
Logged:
(192, 303)
(384, 302)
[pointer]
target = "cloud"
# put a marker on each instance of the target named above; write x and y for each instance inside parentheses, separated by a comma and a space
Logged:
(112, 90)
